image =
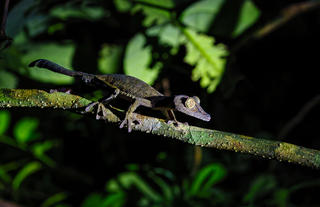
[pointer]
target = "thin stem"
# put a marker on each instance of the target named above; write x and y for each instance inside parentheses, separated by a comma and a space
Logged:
(4, 18)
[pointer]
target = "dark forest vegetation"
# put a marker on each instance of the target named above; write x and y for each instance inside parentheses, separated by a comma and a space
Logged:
(252, 64)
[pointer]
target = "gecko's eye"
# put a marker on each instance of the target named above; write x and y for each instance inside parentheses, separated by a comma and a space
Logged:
(197, 99)
(190, 103)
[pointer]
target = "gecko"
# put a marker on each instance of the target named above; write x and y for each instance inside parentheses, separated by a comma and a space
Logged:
(131, 89)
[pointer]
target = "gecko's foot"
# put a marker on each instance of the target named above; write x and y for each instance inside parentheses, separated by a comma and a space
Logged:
(176, 123)
(100, 110)
(90, 107)
(63, 90)
(128, 122)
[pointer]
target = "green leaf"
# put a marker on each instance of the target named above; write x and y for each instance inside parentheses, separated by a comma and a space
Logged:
(281, 197)
(130, 179)
(209, 59)
(26, 171)
(4, 176)
(39, 150)
(56, 198)
(205, 179)
(249, 14)
(260, 186)
(67, 11)
(138, 58)
(8, 80)
(122, 5)
(168, 34)
(114, 200)
(166, 189)
(93, 200)
(24, 130)
(61, 54)
(4, 121)
(17, 17)
(201, 14)
(153, 14)
(110, 58)
(36, 24)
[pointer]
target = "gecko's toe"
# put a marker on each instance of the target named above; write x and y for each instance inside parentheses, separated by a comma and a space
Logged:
(90, 107)
(176, 123)
(126, 122)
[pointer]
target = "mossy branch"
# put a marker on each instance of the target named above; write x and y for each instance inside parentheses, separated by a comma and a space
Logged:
(194, 135)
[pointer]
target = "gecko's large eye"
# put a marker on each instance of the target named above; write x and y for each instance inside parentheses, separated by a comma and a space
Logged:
(197, 99)
(190, 103)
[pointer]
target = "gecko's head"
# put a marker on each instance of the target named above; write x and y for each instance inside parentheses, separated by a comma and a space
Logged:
(190, 106)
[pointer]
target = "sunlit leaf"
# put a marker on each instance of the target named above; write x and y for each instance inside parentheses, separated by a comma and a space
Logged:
(65, 11)
(209, 59)
(153, 14)
(206, 178)
(8, 80)
(201, 14)
(4, 121)
(26, 171)
(138, 58)
(110, 58)
(61, 54)
(56, 198)
(168, 34)
(260, 186)
(24, 130)
(249, 14)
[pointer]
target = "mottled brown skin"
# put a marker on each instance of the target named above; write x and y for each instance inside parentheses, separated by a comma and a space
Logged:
(134, 90)
(131, 86)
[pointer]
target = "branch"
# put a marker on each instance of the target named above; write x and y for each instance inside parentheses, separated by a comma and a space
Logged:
(281, 151)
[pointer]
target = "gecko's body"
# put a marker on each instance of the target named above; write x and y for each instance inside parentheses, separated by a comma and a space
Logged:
(134, 90)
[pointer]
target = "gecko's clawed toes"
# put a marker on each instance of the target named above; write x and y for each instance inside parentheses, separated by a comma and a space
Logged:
(176, 123)
(89, 108)
(126, 122)
(129, 122)
(101, 110)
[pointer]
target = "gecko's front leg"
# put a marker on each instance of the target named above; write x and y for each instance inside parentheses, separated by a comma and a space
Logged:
(101, 105)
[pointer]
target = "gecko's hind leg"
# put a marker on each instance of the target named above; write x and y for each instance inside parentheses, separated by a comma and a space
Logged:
(128, 119)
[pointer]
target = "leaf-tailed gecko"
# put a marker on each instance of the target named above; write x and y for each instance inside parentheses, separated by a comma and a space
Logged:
(134, 90)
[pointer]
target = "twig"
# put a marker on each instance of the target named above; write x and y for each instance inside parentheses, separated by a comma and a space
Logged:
(300, 116)
(4, 18)
(287, 14)
(281, 151)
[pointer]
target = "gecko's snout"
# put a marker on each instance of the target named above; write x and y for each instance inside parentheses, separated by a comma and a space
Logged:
(206, 117)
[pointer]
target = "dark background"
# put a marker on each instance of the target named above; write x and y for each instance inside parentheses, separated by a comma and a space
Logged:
(269, 80)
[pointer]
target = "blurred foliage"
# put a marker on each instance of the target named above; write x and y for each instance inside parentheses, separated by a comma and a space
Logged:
(54, 159)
